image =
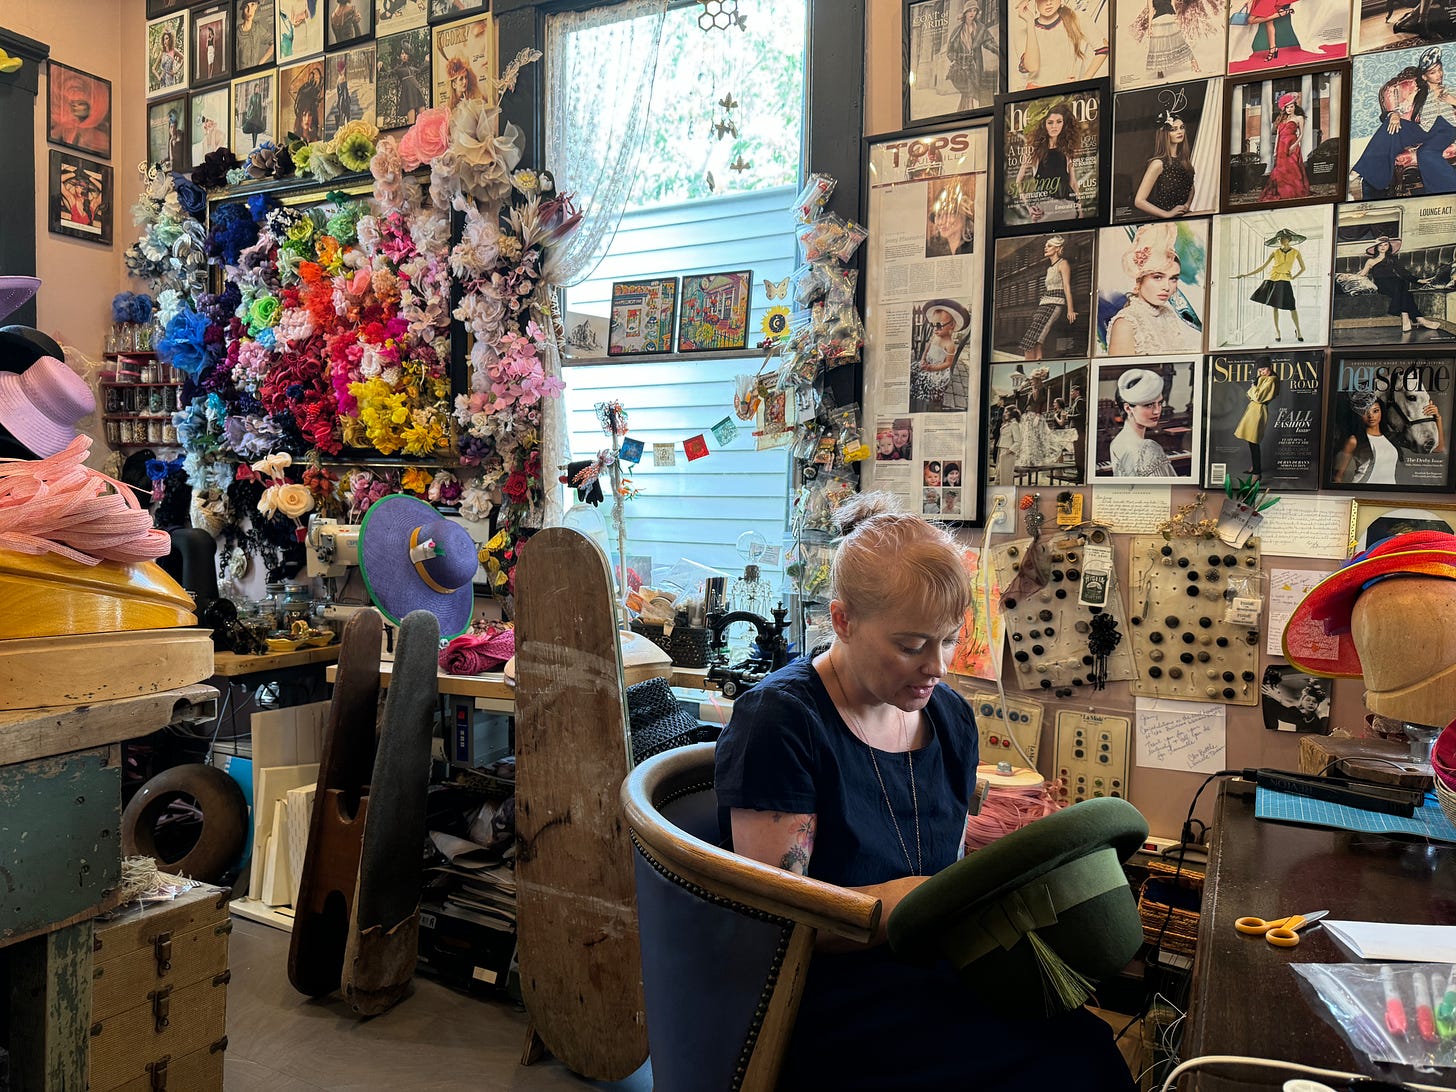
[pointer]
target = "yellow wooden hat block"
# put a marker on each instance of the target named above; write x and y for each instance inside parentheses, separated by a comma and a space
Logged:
(47, 595)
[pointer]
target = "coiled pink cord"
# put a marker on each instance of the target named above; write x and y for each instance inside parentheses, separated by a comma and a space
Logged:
(1008, 809)
(62, 506)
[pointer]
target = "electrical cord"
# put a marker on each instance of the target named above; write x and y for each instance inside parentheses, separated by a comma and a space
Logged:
(1270, 1063)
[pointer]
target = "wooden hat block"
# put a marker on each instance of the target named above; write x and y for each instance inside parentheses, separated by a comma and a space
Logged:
(1402, 628)
(47, 595)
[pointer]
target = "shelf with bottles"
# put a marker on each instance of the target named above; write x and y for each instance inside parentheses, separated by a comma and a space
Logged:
(111, 354)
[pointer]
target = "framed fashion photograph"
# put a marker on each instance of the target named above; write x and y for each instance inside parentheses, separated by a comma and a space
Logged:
(78, 110)
(442, 11)
(300, 29)
(167, 55)
(1054, 151)
(1169, 41)
(255, 111)
(1402, 127)
(1167, 151)
(927, 282)
(208, 120)
(349, 78)
(167, 135)
(952, 58)
(1152, 289)
(301, 101)
(212, 54)
(642, 316)
(1264, 416)
(1036, 424)
(713, 313)
(464, 60)
(1268, 35)
(1270, 282)
(1373, 521)
(1287, 139)
(347, 21)
(1395, 272)
(255, 42)
(404, 77)
(1295, 702)
(1044, 297)
(394, 16)
(1401, 24)
(1149, 423)
(82, 197)
(1054, 42)
(1387, 421)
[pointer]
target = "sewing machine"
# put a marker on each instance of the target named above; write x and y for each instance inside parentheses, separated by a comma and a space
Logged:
(332, 547)
(771, 644)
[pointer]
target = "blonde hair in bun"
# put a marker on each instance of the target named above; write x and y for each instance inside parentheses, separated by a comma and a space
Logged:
(888, 557)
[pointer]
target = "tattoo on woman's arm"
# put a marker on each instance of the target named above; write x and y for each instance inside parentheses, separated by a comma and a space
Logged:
(796, 859)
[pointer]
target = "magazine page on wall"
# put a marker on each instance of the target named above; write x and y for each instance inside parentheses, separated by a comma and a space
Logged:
(1158, 41)
(1036, 424)
(1264, 419)
(1401, 126)
(1051, 42)
(952, 57)
(1054, 151)
(1385, 24)
(924, 316)
(1271, 279)
(1387, 421)
(1265, 35)
(1152, 289)
(1395, 272)
(1149, 422)
(1043, 297)
(1167, 155)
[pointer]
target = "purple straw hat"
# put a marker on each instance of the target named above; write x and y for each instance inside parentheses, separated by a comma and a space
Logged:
(15, 293)
(413, 558)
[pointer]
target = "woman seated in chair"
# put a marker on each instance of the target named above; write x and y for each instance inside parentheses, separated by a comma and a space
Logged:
(856, 767)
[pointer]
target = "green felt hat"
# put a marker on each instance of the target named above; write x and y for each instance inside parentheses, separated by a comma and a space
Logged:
(1031, 920)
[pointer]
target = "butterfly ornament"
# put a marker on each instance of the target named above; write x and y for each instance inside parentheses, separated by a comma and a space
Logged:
(9, 64)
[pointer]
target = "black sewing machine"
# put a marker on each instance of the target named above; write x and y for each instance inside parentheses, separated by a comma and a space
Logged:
(770, 650)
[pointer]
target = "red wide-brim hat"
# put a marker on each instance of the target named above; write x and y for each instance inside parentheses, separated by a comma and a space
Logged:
(1317, 639)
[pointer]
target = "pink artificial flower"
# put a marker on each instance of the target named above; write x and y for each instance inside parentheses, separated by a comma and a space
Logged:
(427, 138)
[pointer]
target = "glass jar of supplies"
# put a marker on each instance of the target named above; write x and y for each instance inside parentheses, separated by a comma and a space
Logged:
(272, 603)
(295, 606)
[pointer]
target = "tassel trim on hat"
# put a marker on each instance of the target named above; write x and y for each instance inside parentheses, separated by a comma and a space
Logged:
(1060, 980)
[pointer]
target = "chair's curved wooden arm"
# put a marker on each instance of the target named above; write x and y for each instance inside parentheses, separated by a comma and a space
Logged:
(839, 910)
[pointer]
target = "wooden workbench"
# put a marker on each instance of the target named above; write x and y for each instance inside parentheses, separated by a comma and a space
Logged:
(232, 664)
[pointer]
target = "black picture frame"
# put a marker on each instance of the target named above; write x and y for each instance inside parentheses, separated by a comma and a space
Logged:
(619, 326)
(700, 281)
(78, 109)
(220, 70)
(262, 53)
(1011, 114)
(157, 8)
(447, 11)
(84, 212)
(362, 29)
(399, 84)
(1400, 382)
(1142, 120)
(1243, 170)
(157, 111)
(926, 50)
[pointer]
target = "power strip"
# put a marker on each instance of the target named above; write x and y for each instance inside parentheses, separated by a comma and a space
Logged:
(1024, 722)
(1092, 755)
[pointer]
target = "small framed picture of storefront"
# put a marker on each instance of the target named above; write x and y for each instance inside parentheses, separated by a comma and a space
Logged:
(1286, 138)
(642, 316)
(713, 314)
(1054, 154)
(1387, 422)
(952, 58)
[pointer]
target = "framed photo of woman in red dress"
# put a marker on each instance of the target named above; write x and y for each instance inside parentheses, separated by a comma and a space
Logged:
(1287, 138)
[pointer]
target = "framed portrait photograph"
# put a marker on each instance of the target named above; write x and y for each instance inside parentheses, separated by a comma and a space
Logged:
(1044, 297)
(1287, 139)
(1401, 24)
(1271, 279)
(167, 55)
(1152, 289)
(1395, 272)
(713, 314)
(347, 21)
(1264, 417)
(168, 141)
(1167, 41)
(1401, 125)
(394, 16)
(1055, 153)
(642, 316)
(255, 41)
(82, 197)
(1295, 702)
(442, 11)
(1149, 421)
(208, 121)
(78, 110)
(1268, 35)
(1373, 521)
(1167, 151)
(952, 58)
(301, 100)
(349, 79)
(1036, 425)
(1387, 421)
(404, 77)
(1053, 42)
(212, 52)
(464, 60)
(300, 29)
(255, 111)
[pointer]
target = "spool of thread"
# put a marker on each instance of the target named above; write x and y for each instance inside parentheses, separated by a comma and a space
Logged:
(1015, 798)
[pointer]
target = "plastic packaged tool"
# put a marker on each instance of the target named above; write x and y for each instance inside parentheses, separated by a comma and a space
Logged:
(1390, 1012)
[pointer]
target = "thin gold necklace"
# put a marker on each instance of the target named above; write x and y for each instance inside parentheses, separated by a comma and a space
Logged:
(917, 866)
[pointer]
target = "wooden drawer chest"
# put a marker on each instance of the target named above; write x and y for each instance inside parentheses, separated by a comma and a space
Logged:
(159, 995)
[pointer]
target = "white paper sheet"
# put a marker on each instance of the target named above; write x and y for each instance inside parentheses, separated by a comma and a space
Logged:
(1385, 940)
(1306, 527)
(1286, 588)
(1180, 735)
(1132, 509)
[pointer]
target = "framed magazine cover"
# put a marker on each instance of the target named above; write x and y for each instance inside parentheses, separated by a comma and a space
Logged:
(1149, 422)
(1167, 151)
(952, 59)
(1287, 138)
(1053, 148)
(1264, 417)
(1387, 422)
(1395, 272)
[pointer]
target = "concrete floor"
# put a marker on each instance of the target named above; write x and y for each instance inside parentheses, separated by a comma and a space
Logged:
(436, 1039)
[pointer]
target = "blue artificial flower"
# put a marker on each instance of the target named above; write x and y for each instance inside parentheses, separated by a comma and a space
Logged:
(157, 469)
(181, 344)
(191, 196)
(233, 231)
(142, 307)
(121, 306)
(260, 205)
(268, 338)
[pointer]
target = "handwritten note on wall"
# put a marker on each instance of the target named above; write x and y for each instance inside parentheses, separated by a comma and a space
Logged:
(1286, 588)
(1132, 509)
(1306, 527)
(1180, 735)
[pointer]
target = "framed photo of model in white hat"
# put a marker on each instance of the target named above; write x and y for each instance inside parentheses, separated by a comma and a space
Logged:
(1387, 422)
(1149, 416)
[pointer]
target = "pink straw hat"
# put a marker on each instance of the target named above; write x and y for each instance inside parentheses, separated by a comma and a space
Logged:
(15, 293)
(41, 406)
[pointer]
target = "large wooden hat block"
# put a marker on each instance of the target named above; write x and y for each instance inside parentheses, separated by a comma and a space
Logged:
(581, 964)
(1403, 629)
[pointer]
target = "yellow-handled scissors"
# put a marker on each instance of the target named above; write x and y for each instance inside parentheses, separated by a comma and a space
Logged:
(1280, 932)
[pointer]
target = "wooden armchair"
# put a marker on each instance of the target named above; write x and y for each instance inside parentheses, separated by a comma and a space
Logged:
(725, 940)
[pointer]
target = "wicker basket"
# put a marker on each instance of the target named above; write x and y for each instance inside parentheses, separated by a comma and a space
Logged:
(1179, 928)
(686, 645)
(1448, 800)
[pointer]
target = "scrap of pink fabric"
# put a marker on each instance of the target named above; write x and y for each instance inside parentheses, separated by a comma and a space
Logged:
(477, 653)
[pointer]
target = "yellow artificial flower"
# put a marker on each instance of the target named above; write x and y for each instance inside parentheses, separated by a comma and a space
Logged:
(415, 480)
